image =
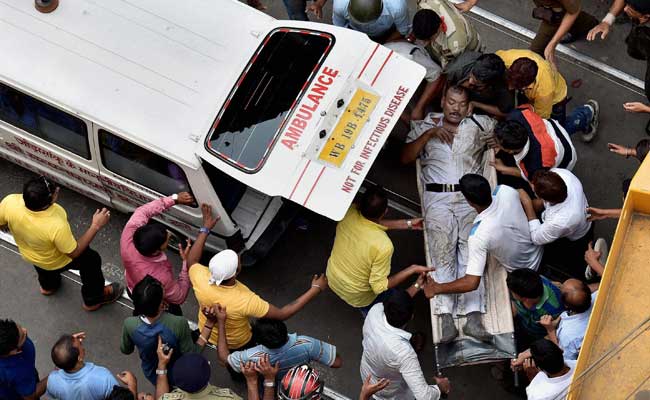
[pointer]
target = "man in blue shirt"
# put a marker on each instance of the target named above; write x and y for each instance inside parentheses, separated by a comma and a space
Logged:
(76, 379)
(382, 21)
(18, 375)
(289, 350)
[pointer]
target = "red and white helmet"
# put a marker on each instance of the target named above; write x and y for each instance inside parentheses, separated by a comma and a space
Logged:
(301, 383)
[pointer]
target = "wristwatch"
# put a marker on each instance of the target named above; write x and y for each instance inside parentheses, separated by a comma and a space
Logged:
(175, 197)
(409, 223)
(161, 372)
(269, 384)
(204, 230)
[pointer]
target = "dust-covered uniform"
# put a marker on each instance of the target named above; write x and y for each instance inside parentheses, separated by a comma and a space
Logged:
(448, 216)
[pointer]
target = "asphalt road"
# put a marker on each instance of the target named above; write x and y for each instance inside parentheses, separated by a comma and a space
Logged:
(287, 270)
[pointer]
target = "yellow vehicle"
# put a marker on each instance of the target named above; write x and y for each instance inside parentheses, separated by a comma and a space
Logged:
(614, 362)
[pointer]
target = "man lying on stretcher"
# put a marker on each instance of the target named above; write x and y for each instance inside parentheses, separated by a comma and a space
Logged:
(450, 145)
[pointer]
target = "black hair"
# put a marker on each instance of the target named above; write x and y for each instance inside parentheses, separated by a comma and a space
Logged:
(511, 134)
(642, 149)
(455, 88)
(426, 23)
(120, 393)
(638, 42)
(489, 68)
(64, 354)
(476, 189)
(373, 203)
(547, 356)
(9, 336)
(625, 186)
(522, 72)
(549, 186)
(147, 296)
(526, 283)
(398, 308)
(38, 193)
(579, 301)
(148, 238)
(270, 333)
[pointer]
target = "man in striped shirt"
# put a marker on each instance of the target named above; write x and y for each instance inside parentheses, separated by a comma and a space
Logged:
(534, 142)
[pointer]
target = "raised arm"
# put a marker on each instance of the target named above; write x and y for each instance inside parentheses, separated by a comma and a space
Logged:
(209, 222)
(100, 219)
(318, 285)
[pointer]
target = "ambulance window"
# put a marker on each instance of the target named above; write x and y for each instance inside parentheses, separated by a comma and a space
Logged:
(142, 166)
(269, 87)
(43, 120)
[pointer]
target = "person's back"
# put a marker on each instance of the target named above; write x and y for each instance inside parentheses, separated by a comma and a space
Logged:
(549, 86)
(388, 354)
(76, 379)
(507, 232)
(290, 350)
(241, 302)
(572, 327)
(91, 382)
(173, 330)
(570, 214)
(360, 260)
(40, 235)
(554, 374)
(151, 323)
(548, 146)
(458, 35)
(18, 375)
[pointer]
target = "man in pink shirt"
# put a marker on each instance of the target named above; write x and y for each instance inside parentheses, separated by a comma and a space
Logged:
(142, 247)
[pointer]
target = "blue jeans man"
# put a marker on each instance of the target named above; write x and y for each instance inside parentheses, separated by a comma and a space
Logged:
(582, 119)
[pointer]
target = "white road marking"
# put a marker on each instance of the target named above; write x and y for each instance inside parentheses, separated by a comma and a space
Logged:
(126, 302)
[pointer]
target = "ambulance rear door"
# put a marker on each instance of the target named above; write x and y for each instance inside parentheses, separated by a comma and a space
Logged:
(309, 114)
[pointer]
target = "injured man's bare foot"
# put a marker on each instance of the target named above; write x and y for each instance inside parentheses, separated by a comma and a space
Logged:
(448, 328)
(474, 327)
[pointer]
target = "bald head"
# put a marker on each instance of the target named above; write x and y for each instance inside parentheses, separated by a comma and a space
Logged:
(65, 354)
(576, 295)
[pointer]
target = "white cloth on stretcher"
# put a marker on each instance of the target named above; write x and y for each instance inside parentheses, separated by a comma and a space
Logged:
(448, 216)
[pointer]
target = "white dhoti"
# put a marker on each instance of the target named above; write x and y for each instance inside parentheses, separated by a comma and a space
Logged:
(448, 220)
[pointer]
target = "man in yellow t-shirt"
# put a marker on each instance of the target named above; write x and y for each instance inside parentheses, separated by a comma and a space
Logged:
(359, 266)
(218, 283)
(44, 238)
(546, 89)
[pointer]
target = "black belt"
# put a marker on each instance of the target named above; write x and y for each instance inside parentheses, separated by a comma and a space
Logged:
(442, 187)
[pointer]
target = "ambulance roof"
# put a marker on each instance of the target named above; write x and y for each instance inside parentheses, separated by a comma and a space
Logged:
(156, 72)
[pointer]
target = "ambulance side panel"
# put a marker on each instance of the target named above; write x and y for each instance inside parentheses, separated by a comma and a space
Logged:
(50, 141)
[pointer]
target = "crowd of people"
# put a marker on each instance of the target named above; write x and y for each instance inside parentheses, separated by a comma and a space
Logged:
(476, 112)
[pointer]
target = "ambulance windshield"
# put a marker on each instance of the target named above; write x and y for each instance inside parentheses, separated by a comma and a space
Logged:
(248, 124)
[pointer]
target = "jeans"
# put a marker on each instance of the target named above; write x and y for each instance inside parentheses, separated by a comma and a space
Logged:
(89, 265)
(379, 299)
(577, 121)
(296, 9)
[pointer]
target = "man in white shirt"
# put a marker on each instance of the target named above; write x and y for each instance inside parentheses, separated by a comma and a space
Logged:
(450, 145)
(568, 331)
(549, 374)
(565, 231)
(388, 354)
(500, 230)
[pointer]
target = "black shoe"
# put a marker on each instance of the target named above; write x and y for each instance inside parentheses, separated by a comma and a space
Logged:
(111, 294)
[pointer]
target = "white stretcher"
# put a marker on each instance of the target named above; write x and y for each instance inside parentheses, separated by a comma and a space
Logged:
(465, 350)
